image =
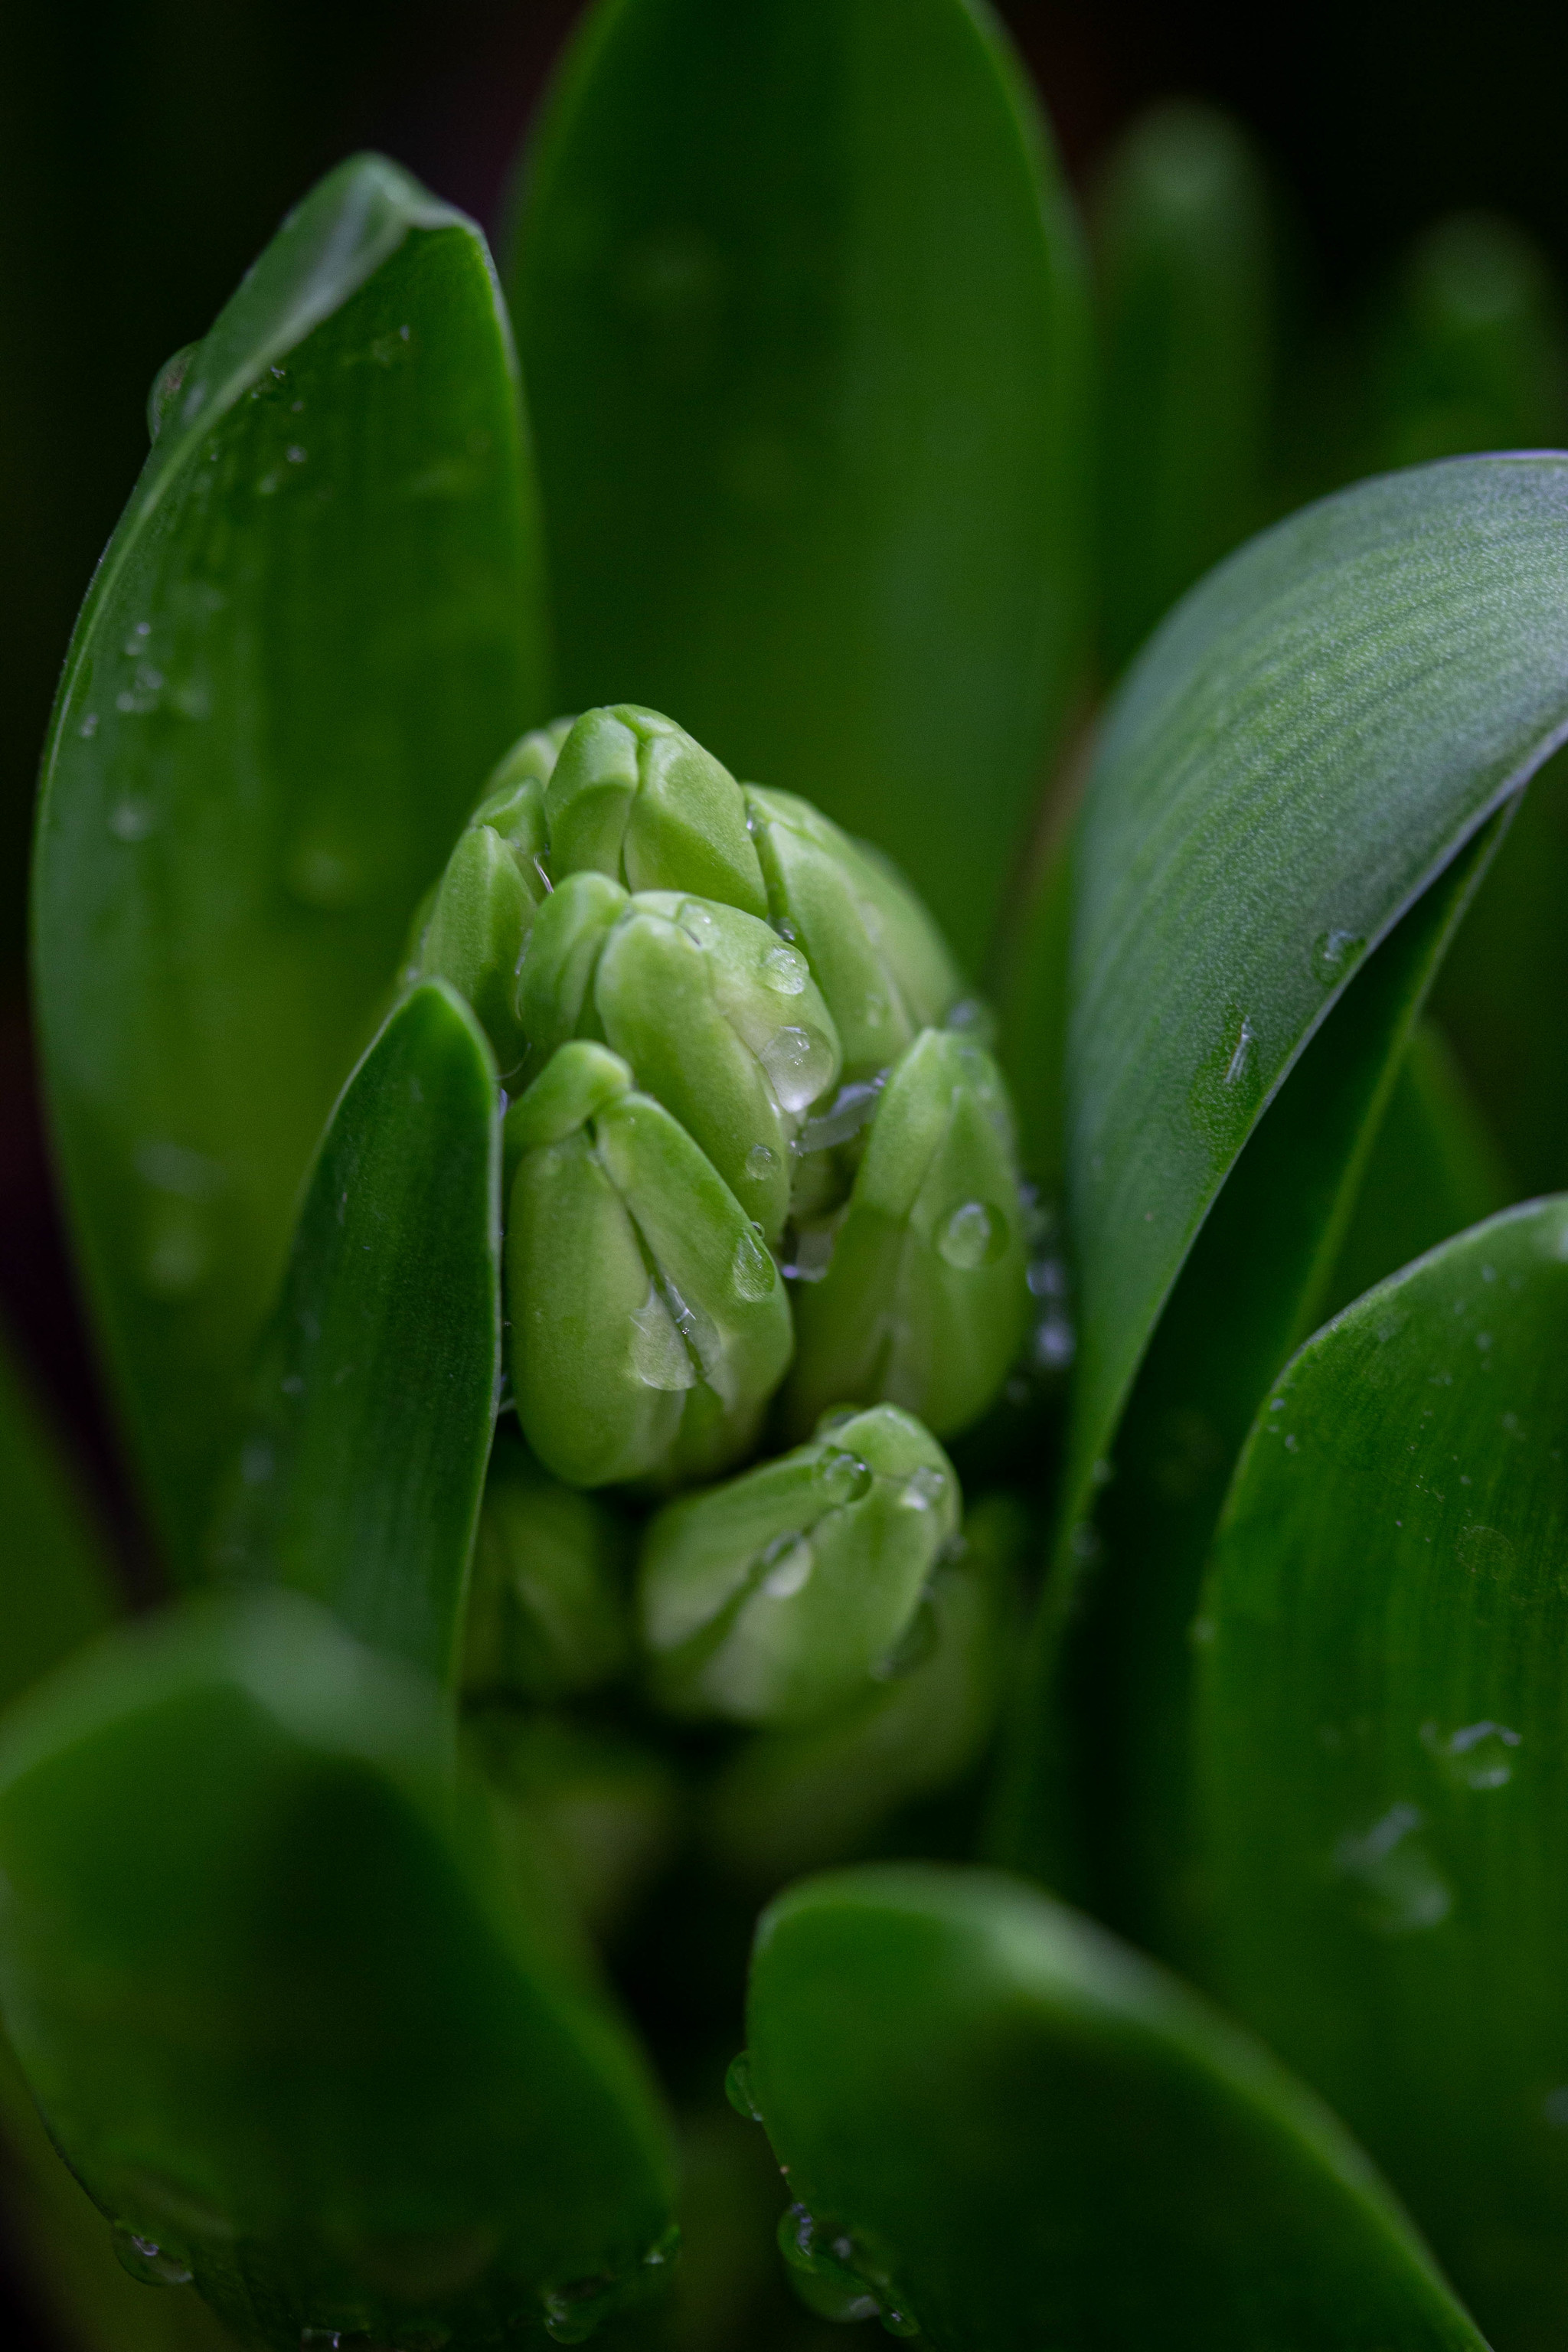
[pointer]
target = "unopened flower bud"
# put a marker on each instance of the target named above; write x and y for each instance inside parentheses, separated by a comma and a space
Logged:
(879, 961)
(649, 1325)
(774, 1599)
(924, 1299)
(635, 797)
(548, 1611)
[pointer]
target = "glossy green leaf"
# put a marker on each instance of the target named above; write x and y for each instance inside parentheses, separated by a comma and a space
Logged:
(1302, 748)
(1382, 1734)
(282, 2011)
(316, 628)
(1095, 1797)
(57, 1587)
(1184, 248)
(363, 1463)
(1008, 2131)
(801, 307)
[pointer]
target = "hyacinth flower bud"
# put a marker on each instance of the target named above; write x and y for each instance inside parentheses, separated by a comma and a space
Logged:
(473, 929)
(635, 797)
(549, 1614)
(925, 1300)
(720, 1020)
(776, 1599)
(649, 1326)
(879, 961)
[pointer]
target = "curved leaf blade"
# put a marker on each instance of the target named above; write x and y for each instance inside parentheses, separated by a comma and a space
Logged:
(1381, 1735)
(827, 503)
(317, 626)
(1028, 2134)
(283, 2011)
(1302, 748)
(363, 1467)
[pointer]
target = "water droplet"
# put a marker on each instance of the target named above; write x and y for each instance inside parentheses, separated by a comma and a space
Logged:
(799, 1064)
(146, 2261)
(1478, 1756)
(785, 972)
(1396, 1888)
(974, 1234)
(923, 1487)
(972, 1018)
(658, 1358)
(572, 2313)
(738, 2088)
(1241, 1055)
(699, 923)
(761, 1162)
(851, 1107)
(88, 727)
(783, 925)
(751, 1269)
(294, 453)
(843, 1476)
(131, 820)
(788, 1560)
(901, 2321)
(1333, 954)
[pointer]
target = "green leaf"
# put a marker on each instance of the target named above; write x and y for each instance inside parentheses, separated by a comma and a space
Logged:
(1381, 1734)
(802, 305)
(1303, 748)
(314, 631)
(361, 1468)
(1095, 1796)
(1185, 259)
(285, 2016)
(1008, 2130)
(57, 1588)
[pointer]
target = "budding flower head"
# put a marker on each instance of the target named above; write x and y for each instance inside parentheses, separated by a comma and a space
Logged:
(776, 1599)
(649, 1325)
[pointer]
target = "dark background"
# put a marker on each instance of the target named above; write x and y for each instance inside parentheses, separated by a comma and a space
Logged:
(149, 147)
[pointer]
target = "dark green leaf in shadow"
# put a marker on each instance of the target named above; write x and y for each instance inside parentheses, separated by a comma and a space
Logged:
(56, 1586)
(316, 628)
(1503, 996)
(360, 1470)
(802, 305)
(1008, 2130)
(1305, 745)
(283, 2014)
(1433, 1167)
(1472, 352)
(1094, 1796)
(1382, 1734)
(1184, 248)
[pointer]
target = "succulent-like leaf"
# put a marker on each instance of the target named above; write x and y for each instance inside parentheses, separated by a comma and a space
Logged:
(314, 631)
(802, 306)
(289, 2022)
(1381, 1741)
(1006, 2130)
(359, 1471)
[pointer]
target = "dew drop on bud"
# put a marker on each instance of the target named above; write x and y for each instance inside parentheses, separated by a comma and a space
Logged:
(798, 1066)
(785, 972)
(145, 2260)
(900, 2320)
(973, 1235)
(738, 2088)
(751, 1269)
(844, 1476)
(923, 1487)
(760, 1161)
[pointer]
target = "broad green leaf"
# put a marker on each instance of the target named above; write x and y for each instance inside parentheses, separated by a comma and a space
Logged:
(1184, 247)
(315, 629)
(802, 305)
(1503, 996)
(1095, 1795)
(1008, 2131)
(1302, 748)
(284, 2015)
(57, 1588)
(1381, 1737)
(1032, 1009)
(363, 1463)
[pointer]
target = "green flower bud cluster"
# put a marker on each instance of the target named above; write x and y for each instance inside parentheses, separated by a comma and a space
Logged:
(738, 1045)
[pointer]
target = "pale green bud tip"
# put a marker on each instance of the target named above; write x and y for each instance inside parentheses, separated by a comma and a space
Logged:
(635, 797)
(574, 1084)
(474, 930)
(778, 1598)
